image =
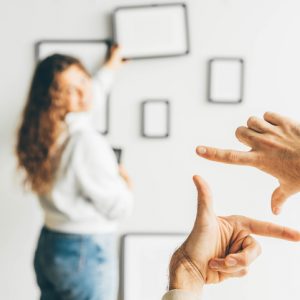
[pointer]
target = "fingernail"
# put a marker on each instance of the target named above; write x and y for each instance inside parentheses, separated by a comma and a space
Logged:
(213, 264)
(201, 150)
(231, 262)
(276, 210)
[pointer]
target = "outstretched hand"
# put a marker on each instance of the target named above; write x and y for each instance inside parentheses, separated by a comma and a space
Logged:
(219, 247)
(275, 149)
(115, 60)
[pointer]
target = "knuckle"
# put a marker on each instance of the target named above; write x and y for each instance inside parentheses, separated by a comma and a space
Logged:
(244, 261)
(214, 153)
(244, 272)
(295, 129)
(237, 221)
(231, 156)
(287, 127)
(259, 161)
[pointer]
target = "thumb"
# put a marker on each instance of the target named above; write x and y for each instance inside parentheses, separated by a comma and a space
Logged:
(205, 202)
(279, 197)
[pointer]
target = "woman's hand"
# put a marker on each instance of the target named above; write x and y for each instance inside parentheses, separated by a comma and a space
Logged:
(219, 247)
(123, 173)
(275, 149)
(115, 60)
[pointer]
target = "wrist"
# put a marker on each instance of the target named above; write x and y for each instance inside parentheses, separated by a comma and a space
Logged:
(184, 275)
(109, 65)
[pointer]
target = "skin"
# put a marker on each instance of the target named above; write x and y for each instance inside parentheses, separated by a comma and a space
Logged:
(219, 248)
(274, 143)
(76, 85)
(76, 90)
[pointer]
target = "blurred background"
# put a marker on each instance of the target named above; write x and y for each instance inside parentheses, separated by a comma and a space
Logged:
(265, 33)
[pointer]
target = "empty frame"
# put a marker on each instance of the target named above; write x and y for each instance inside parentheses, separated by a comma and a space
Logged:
(145, 262)
(118, 152)
(92, 54)
(101, 116)
(156, 118)
(226, 80)
(151, 31)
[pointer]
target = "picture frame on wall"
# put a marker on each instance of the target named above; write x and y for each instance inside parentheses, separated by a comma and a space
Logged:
(92, 53)
(145, 261)
(155, 119)
(118, 152)
(152, 31)
(226, 80)
(100, 117)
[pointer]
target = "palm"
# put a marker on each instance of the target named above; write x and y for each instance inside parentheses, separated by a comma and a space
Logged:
(218, 237)
(223, 239)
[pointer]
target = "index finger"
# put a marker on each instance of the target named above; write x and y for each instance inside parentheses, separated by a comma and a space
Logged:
(227, 156)
(271, 230)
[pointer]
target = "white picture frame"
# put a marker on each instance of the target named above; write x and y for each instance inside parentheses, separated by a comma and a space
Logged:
(145, 264)
(156, 117)
(92, 53)
(226, 80)
(152, 31)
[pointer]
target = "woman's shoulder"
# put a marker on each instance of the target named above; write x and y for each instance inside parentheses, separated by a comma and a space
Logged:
(84, 140)
(87, 137)
(80, 127)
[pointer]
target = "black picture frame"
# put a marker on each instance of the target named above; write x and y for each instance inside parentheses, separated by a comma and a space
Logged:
(107, 42)
(39, 43)
(118, 152)
(210, 78)
(107, 117)
(144, 118)
(132, 7)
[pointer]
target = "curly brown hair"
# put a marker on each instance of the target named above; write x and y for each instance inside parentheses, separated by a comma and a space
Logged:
(42, 123)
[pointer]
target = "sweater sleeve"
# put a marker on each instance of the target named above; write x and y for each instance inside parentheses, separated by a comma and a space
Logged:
(98, 176)
(181, 295)
(101, 84)
(103, 80)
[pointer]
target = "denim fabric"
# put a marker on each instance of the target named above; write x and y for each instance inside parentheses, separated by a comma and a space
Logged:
(76, 267)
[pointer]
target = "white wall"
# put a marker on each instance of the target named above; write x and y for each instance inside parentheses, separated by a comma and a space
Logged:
(264, 32)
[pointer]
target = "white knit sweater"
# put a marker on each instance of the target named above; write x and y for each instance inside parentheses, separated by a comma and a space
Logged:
(88, 196)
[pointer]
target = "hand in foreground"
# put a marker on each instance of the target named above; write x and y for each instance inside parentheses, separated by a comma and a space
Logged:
(115, 60)
(275, 149)
(219, 247)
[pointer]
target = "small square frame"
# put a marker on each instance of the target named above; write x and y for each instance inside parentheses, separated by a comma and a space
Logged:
(144, 118)
(210, 79)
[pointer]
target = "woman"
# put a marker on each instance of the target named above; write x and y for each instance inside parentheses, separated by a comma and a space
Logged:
(74, 172)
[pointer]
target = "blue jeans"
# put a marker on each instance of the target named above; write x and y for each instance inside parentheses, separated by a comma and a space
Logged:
(76, 267)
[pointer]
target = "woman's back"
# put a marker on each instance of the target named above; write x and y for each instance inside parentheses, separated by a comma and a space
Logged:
(88, 195)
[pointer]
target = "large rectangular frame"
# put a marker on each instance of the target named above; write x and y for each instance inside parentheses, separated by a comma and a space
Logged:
(107, 42)
(123, 252)
(241, 83)
(187, 34)
(38, 44)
